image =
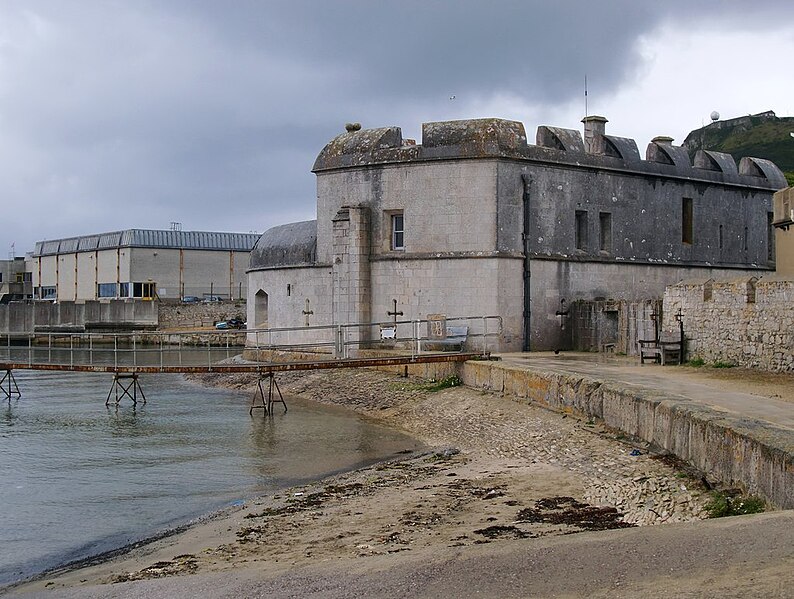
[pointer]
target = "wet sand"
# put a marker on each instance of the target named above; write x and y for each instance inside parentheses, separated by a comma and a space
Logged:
(501, 475)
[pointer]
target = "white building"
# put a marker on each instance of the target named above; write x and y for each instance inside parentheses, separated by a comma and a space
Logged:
(140, 263)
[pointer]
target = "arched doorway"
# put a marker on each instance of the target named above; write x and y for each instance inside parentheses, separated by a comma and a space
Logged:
(260, 309)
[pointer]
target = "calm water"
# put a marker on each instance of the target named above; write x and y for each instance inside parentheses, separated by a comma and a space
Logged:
(78, 478)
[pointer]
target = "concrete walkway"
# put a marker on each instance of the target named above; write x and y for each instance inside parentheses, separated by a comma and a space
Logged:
(686, 383)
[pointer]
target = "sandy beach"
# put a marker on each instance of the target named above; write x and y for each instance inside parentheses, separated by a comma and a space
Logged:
(500, 474)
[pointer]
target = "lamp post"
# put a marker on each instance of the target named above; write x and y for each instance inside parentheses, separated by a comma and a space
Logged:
(679, 317)
(655, 319)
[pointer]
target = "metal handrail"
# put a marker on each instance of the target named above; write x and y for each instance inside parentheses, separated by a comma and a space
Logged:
(169, 349)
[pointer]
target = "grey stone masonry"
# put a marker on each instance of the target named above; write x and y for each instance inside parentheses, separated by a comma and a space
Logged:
(476, 220)
(746, 322)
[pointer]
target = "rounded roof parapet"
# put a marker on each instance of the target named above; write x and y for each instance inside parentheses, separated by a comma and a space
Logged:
(475, 136)
(357, 146)
(293, 244)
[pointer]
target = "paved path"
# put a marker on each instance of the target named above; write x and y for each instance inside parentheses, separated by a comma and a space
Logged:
(672, 380)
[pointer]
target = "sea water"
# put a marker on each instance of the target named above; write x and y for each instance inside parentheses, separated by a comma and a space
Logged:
(78, 478)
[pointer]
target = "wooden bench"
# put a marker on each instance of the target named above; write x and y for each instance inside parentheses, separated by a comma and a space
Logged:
(666, 349)
(455, 338)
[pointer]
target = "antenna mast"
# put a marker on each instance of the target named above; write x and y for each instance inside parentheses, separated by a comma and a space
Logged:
(585, 97)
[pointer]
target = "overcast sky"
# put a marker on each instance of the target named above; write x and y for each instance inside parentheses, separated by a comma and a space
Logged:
(123, 114)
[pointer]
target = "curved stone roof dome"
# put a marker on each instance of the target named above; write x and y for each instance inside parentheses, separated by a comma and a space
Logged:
(293, 244)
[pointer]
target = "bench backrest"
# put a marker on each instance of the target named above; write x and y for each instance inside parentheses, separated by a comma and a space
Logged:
(457, 331)
(670, 336)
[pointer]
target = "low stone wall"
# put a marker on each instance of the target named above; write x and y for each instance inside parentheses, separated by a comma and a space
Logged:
(198, 315)
(746, 322)
(737, 451)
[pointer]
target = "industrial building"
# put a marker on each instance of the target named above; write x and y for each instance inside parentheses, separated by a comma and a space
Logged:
(16, 282)
(142, 264)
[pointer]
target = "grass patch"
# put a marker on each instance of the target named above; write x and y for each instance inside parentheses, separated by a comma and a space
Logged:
(432, 386)
(445, 383)
(721, 364)
(723, 504)
(696, 362)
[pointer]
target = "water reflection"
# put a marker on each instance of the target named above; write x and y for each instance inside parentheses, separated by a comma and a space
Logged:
(263, 433)
(79, 478)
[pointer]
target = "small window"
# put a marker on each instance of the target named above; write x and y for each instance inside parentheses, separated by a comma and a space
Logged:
(720, 236)
(106, 290)
(19, 277)
(124, 289)
(605, 220)
(397, 231)
(47, 293)
(289, 289)
(770, 236)
(686, 221)
(581, 230)
(27, 277)
(1, 277)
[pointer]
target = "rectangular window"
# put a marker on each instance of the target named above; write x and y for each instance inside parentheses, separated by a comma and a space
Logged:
(720, 234)
(27, 277)
(770, 236)
(106, 290)
(605, 219)
(581, 229)
(143, 290)
(47, 293)
(124, 289)
(397, 231)
(1, 277)
(686, 221)
(19, 277)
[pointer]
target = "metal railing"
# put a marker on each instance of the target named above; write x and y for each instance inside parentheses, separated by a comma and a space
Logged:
(206, 350)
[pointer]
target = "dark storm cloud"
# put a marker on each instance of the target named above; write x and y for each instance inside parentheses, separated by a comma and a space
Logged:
(134, 114)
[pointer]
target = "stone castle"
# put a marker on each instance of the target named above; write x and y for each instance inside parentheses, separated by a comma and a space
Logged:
(477, 221)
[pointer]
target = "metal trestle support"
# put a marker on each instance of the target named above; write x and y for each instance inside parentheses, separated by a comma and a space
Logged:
(125, 385)
(8, 385)
(267, 405)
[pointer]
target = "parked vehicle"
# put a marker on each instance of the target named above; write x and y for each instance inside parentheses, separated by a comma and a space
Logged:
(232, 323)
(190, 299)
(208, 299)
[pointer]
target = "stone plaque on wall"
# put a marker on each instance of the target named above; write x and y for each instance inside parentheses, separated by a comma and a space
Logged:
(437, 326)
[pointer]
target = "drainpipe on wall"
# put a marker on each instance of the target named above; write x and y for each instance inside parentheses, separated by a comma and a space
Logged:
(527, 182)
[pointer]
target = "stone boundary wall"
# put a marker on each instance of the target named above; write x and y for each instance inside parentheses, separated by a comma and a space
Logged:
(747, 322)
(737, 451)
(198, 315)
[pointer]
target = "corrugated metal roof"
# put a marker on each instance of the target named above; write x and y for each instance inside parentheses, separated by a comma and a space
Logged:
(87, 243)
(68, 245)
(194, 240)
(109, 240)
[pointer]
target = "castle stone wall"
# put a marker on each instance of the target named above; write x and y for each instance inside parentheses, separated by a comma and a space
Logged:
(746, 322)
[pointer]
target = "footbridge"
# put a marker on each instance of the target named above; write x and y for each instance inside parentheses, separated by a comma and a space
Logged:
(265, 351)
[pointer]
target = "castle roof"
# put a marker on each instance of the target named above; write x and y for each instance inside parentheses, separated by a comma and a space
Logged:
(293, 244)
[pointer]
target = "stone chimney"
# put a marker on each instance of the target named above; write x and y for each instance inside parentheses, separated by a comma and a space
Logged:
(594, 128)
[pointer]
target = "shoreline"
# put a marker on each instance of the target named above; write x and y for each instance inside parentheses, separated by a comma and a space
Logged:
(514, 458)
(203, 519)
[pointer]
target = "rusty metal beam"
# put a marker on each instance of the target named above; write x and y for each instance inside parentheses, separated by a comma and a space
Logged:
(255, 367)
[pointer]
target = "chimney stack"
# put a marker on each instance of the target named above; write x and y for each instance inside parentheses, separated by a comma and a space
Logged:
(594, 128)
